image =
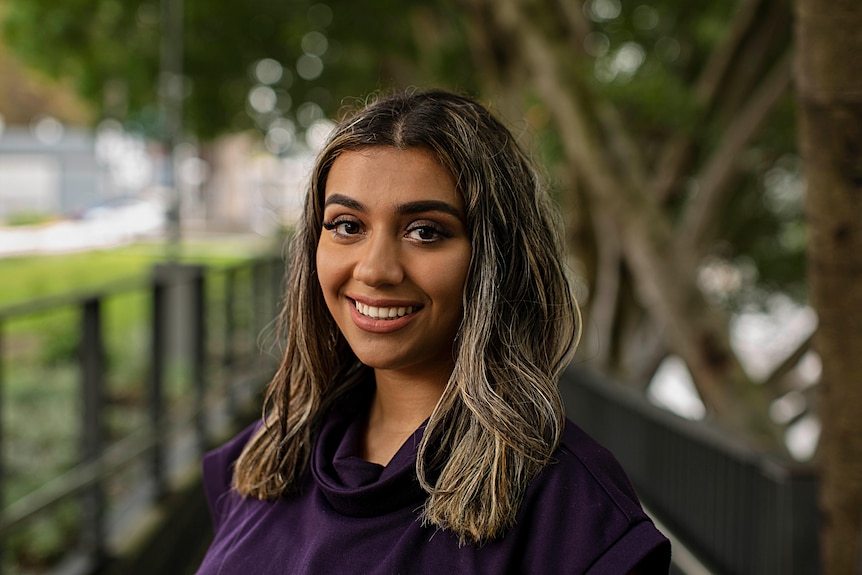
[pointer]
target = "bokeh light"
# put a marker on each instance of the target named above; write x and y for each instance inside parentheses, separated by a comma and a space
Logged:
(597, 44)
(308, 113)
(320, 15)
(645, 17)
(309, 67)
(667, 49)
(603, 10)
(280, 136)
(268, 71)
(47, 129)
(315, 44)
(262, 99)
(318, 133)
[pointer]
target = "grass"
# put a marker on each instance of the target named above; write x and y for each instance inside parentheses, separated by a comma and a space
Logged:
(27, 277)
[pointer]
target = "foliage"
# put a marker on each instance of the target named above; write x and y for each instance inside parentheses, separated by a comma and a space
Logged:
(325, 51)
(663, 89)
(44, 540)
(676, 169)
(649, 62)
(61, 343)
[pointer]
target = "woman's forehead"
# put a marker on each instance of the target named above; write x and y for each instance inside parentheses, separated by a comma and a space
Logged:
(397, 176)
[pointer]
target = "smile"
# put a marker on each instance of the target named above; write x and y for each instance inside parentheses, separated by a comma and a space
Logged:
(383, 312)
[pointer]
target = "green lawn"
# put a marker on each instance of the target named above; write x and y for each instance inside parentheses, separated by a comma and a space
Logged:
(28, 277)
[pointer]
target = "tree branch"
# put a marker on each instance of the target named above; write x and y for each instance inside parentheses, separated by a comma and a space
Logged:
(629, 160)
(695, 331)
(724, 58)
(572, 12)
(646, 347)
(723, 63)
(603, 299)
(670, 297)
(714, 181)
(773, 380)
(766, 43)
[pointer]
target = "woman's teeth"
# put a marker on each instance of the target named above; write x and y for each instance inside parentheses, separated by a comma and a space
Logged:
(383, 312)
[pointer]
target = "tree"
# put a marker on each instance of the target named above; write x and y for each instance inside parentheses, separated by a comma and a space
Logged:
(667, 117)
(829, 94)
(629, 165)
(631, 146)
(25, 94)
(110, 49)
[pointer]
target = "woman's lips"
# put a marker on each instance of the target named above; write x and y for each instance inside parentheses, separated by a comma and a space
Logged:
(382, 317)
(381, 312)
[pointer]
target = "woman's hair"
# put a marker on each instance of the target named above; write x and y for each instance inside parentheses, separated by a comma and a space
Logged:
(500, 416)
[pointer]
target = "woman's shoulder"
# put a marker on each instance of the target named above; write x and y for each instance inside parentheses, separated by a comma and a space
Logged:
(583, 501)
(218, 462)
(218, 468)
(580, 456)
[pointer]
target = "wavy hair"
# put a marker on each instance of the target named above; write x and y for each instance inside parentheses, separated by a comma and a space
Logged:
(500, 416)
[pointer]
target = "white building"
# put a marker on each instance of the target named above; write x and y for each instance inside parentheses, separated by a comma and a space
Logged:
(48, 170)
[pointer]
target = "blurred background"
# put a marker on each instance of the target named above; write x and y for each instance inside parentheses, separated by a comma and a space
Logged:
(153, 158)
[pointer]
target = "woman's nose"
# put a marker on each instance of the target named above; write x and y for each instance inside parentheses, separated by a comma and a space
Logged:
(379, 262)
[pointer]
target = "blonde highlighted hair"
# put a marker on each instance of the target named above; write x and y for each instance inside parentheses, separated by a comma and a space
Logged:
(500, 417)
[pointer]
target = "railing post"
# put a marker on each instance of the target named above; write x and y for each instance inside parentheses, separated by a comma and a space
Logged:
(198, 296)
(805, 512)
(229, 329)
(156, 391)
(93, 376)
(276, 272)
(258, 287)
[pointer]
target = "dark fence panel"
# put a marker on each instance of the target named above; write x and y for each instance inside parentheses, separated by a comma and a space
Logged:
(204, 365)
(742, 512)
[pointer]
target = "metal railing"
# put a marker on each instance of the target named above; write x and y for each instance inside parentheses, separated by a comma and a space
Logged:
(740, 511)
(203, 363)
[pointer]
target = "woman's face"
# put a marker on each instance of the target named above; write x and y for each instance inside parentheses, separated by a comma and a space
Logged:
(393, 257)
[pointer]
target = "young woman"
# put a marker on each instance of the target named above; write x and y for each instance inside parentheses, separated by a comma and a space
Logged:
(414, 425)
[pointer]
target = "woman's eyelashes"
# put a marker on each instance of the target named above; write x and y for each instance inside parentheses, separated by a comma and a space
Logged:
(342, 227)
(427, 232)
(420, 231)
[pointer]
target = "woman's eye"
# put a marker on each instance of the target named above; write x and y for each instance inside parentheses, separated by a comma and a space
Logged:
(342, 227)
(426, 233)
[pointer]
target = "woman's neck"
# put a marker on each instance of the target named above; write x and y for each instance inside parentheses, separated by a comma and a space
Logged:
(400, 405)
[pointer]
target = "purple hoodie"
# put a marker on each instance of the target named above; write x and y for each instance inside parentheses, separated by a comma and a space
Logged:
(579, 515)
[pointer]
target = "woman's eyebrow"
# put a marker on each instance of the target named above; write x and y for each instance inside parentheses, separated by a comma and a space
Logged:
(405, 209)
(345, 201)
(421, 206)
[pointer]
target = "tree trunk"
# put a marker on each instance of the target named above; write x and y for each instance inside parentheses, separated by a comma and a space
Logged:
(829, 85)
